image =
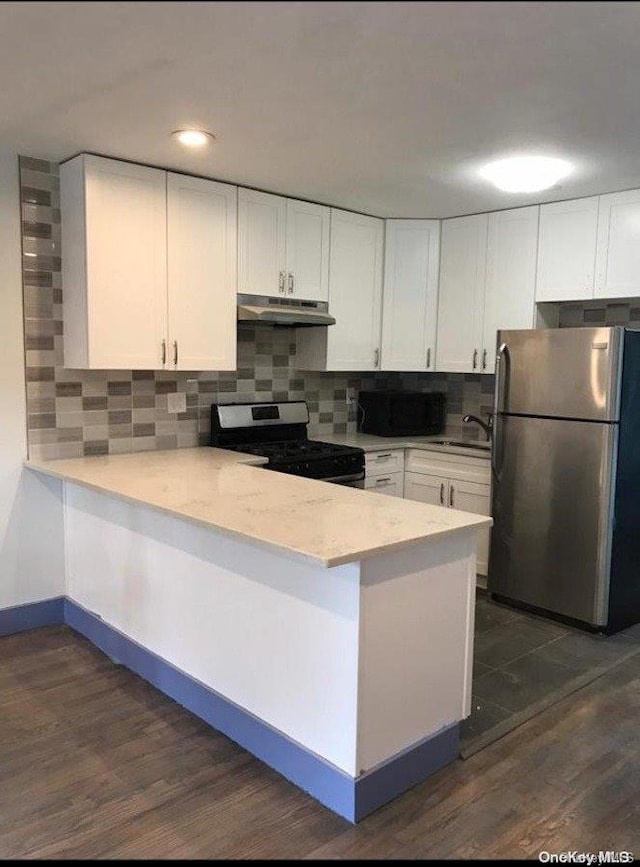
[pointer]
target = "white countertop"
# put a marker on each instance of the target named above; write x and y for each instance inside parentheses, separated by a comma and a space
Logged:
(371, 443)
(315, 521)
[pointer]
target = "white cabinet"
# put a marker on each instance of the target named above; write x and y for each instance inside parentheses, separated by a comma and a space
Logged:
(201, 259)
(410, 294)
(148, 268)
(384, 472)
(476, 498)
(391, 485)
(512, 246)
(426, 488)
(455, 482)
(567, 250)
(355, 299)
(384, 462)
(308, 228)
(114, 264)
(487, 282)
(618, 250)
(283, 247)
(262, 242)
(463, 259)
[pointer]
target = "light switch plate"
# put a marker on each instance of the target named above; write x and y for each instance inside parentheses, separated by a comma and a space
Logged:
(176, 402)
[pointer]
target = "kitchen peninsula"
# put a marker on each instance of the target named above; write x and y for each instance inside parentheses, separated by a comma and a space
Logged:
(328, 630)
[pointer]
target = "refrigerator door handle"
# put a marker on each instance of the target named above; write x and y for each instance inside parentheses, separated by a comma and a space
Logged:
(498, 404)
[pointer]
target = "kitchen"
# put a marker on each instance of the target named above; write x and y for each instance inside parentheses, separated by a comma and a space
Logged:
(128, 390)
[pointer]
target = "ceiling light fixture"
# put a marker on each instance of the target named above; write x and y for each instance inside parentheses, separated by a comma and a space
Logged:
(193, 138)
(524, 174)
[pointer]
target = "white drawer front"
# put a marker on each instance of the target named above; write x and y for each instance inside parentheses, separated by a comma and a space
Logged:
(384, 462)
(471, 469)
(391, 484)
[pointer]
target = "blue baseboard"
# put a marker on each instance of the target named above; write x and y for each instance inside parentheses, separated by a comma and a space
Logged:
(352, 798)
(20, 618)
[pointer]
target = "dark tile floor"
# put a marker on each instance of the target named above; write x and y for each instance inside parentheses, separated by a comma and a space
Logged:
(523, 663)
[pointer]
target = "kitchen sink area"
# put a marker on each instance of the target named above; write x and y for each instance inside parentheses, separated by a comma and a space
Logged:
(462, 444)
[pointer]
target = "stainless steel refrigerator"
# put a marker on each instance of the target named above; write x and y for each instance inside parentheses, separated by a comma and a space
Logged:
(566, 474)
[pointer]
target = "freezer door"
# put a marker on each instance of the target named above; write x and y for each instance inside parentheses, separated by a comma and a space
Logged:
(552, 501)
(560, 372)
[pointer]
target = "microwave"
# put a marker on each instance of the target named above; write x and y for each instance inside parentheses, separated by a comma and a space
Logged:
(401, 413)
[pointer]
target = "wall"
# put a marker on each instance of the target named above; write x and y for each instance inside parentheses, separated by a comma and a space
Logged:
(75, 412)
(31, 540)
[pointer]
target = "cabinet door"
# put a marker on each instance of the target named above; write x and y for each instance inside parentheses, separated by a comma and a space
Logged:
(463, 255)
(410, 295)
(426, 489)
(261, 243)
(567, 250)
(392, 485)
(471, 497)
(355, 291)
(618, 251)
(512, 249)
(125, 226)
(308, 228)
(201, 257)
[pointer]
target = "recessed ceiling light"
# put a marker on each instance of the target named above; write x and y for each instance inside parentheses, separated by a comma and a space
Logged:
(193, 138)
(526, 174)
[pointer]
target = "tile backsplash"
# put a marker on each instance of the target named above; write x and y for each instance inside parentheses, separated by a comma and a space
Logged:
(594, 313)
(71, 413)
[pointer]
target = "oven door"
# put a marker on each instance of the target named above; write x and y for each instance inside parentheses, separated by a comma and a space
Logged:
(354, 480)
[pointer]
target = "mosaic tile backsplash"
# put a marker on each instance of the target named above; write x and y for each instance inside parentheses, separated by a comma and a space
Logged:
(79, 412)
(594, 313)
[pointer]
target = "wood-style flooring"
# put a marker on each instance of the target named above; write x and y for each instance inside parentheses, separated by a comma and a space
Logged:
(94, 763)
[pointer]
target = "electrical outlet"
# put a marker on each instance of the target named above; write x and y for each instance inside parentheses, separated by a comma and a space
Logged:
(352, 397)
(176, 402)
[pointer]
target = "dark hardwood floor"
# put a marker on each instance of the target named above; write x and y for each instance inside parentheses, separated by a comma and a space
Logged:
(94, 763)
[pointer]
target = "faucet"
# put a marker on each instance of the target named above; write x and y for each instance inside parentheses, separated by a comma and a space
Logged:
(487, 426)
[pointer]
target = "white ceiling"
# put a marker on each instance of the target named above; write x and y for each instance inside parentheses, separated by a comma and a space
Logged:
(382, 107)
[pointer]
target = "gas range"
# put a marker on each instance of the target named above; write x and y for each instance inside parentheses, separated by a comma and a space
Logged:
(278, 432)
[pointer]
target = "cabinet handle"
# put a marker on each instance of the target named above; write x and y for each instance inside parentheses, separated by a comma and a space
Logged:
(175, 353)
(475, 359)
(484, 359)
(376, 358)
(290, 283)
(281, 283)
(451, 495)
(442, 493)
(164, 352)
(383, 481)
(428, 358)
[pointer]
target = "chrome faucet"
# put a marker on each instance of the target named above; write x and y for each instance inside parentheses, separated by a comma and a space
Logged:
(487, 426)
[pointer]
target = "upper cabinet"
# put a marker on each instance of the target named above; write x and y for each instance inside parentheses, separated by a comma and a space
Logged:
(487, 282)
(567, 250)
(201, 260)
(618, 249)
(512, 246)
(283, 247)
(355, 299)
(463, 262)
(148, 268)
(410, 294)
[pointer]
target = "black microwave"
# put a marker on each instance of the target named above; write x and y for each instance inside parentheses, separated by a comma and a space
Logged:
(401, 413)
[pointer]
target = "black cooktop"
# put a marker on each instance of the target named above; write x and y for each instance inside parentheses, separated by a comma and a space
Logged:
(294, 449)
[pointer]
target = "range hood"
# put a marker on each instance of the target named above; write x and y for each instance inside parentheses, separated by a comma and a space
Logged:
(262, 309)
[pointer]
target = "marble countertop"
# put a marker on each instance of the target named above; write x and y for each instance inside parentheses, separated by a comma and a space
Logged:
(371, 443)
(315, 521)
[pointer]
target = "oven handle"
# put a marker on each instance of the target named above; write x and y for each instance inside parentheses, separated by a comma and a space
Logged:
(343, 480)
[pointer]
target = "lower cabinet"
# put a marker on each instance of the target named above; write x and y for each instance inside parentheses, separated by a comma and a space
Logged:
(455, 482)
(393, 484)
(384, 472)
